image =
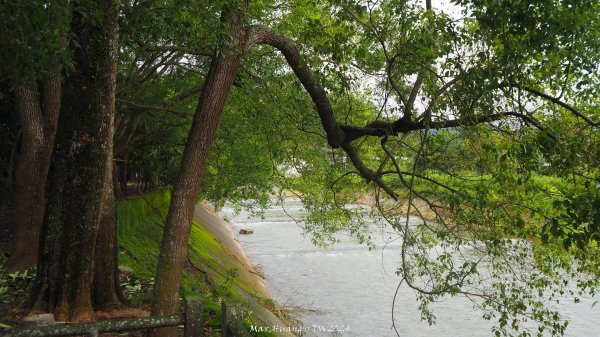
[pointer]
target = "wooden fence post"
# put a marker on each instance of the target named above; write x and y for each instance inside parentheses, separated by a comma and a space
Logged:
(235, 323)
(232, 322)
(224, 318)
(194, 318)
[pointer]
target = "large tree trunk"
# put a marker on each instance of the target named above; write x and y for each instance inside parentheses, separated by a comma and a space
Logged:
(78, 187)
(106, 288)
(38, 116)
(174, 246)
(107, 296)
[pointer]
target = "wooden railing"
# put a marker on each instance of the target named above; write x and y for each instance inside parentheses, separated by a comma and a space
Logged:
(192, 319)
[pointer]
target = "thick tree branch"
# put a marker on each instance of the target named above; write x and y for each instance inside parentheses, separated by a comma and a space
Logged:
(403, 125)
(263, 35)
(336, 136)
(342, 135)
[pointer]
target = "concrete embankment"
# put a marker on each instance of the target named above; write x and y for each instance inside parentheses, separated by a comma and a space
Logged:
(254, 290)
(217, 266)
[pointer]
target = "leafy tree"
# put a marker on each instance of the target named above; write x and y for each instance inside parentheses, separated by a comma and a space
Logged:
(34, 55)
(491, 86)
(76, 271)
(483, 125)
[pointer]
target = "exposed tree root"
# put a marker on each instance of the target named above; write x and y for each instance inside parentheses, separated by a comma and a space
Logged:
(192, 269)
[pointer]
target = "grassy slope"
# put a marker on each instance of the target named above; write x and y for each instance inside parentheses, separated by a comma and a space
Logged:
(211, 272)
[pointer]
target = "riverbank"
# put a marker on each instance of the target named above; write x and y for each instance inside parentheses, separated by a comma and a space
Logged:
(217, 267)
(253, 288)
(224, 233)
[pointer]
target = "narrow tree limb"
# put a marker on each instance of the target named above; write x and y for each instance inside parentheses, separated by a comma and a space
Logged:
(438, 94)
(365, 172)
(422, 177)
(185, 50)
(474, 120)
(154, 107)
(143, 75)
(386, 159)
(393, 83)
(186, 94)
(561, 103)
(413, 96)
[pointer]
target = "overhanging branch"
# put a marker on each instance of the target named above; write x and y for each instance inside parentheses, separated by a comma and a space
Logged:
(264, 35)
(561, 103)
(336, 135)
(339, 135)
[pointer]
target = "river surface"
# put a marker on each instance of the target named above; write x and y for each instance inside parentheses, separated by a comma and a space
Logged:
(347, 290)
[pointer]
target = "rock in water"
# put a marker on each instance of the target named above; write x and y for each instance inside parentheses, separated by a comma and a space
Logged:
(246, 231)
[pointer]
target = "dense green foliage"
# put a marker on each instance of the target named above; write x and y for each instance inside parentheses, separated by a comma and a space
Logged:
(33, 33)
(502, 166)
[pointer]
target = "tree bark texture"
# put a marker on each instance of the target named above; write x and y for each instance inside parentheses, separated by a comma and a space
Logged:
(174, 246)
(78, 189)
(38, 116)
(106, 286)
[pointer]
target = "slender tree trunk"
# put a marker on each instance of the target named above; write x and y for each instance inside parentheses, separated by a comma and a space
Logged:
(123, 176)
(128, 129)
(65, 279)
(174, 246)
(115, 177)
(38, 116)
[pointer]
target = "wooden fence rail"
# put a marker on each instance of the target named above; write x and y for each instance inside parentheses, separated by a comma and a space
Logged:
(93, 329)
(192, 319)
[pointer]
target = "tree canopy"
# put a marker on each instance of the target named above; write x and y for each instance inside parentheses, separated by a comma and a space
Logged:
(478, 117)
